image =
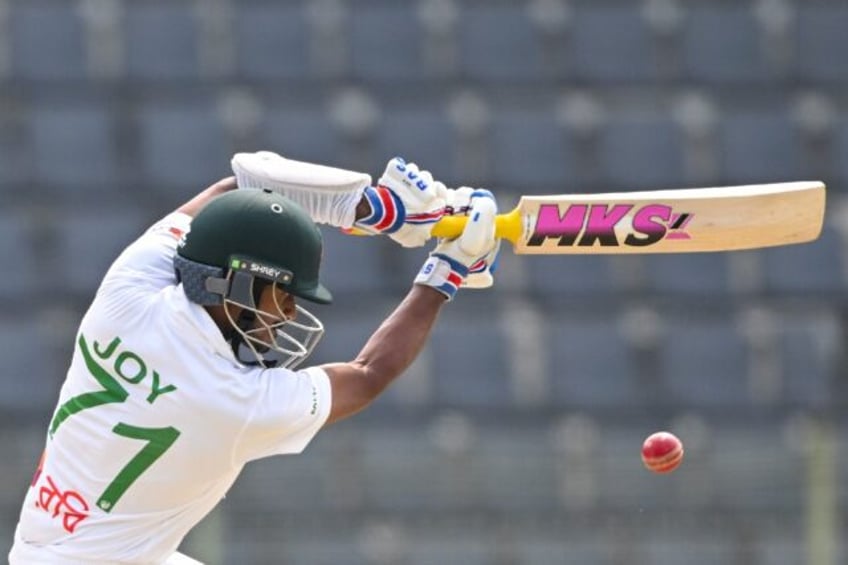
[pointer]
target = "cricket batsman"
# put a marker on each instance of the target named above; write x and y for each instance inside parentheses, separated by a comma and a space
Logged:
(186, 365)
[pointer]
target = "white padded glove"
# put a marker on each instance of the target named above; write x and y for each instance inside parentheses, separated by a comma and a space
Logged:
(405, 204)
(328, 194)
(480, 274)
(452, 260)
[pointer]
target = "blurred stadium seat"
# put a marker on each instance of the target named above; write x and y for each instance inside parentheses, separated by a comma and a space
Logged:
(722, 43)
(704, 363)
(19, 254)
(543, 550)
(667, 552)
(272, 40)
(516, 470)
(611, 42)
(305, 134)
(87, 242)
(689, 274)
(592, 365)
(385, 43)
(642, 153)
(771, 480)
(425, 136)
(530, 151)
(810, 351)
(815, 267)
(29, 385)
(47, 41)
(759, 147)
(394, 476)
(821, 33)
(579, 275)
(161, 41)
(470, 360)
(352, 265)
(183, 145)
(74, 146)
(437, 549)
(499, 43)
(840, 148)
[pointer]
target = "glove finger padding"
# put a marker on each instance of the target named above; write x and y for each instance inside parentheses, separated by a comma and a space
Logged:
(451, 262)
(405, 204)
(459, 203)
(481, 273)
(478, 237)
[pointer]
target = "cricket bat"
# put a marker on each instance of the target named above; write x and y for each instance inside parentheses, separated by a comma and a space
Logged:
(661, 221)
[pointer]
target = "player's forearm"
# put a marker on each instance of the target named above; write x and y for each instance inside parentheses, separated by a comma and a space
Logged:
(386, 355)
(193, 206)
(400, 338)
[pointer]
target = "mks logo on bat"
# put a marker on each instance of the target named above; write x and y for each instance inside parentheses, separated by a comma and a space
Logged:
(584, 224)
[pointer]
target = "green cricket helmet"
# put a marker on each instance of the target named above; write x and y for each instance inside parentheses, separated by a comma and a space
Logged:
(240, 243)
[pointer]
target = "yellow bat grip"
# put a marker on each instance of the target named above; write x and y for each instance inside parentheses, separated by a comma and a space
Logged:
(507, 226)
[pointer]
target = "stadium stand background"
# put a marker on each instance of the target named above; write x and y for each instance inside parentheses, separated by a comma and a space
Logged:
(515, 438)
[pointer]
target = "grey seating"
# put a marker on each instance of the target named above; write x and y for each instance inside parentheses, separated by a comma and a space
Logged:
(457, 549)
(352, 264)
(300, 133)
(272, 40)
(599, 55)
(704, 363)
(385, 42)
(30, 381)
(758, 146)
(47, 41)
(74, 146)
(591, 364)
(689, 273)
(722, 43)
(580, 275)
(530, 150)
(516, 469)
(642, 153)
(809, 360)
(17, 248)
(470, 361)
(815, 267)
(400, 469)
(499, 43)
(161, 41)
(88, 242)
(821, 35)
(425, 136)
(665, 551)
(182, 144)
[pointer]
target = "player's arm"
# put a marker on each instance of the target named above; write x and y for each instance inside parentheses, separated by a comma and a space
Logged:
(401, 337)
(405, 204)
(193, 206)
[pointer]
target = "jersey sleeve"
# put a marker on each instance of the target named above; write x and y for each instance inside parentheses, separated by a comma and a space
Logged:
(148, 262)
(288, 410)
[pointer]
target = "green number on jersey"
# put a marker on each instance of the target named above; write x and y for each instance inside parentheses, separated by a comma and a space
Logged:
(158, 439)
(112, 391)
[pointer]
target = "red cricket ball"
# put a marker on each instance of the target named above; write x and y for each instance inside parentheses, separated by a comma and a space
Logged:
(662, 452)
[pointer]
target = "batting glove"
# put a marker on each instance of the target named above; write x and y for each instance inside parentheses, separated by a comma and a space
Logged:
(405, 204)
(481, 273)
(453, 260)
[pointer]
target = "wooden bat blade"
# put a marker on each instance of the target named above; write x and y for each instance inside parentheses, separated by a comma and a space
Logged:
(662, 221)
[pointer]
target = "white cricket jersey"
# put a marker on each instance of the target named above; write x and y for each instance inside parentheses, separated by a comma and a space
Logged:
(155, 420)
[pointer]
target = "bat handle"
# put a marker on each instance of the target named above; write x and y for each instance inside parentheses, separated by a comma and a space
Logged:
(507, 226)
